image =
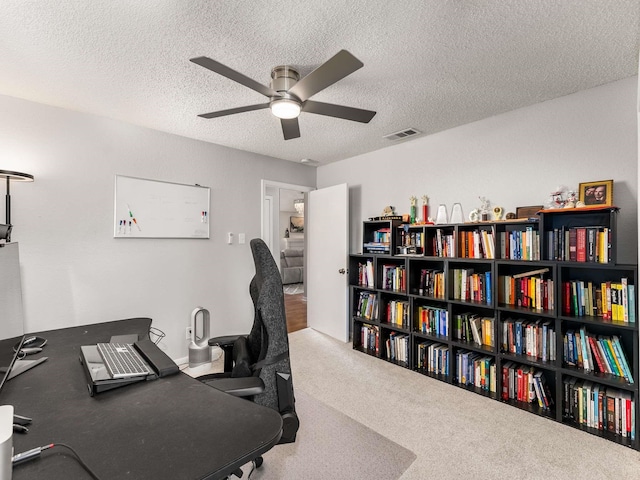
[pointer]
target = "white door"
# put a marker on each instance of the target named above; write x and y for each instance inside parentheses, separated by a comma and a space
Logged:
(327, 233)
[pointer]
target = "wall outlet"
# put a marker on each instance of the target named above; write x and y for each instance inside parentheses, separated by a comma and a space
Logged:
(188, 335)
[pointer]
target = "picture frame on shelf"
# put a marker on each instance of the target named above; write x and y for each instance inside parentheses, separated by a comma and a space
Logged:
(296, 224)
(597, 193)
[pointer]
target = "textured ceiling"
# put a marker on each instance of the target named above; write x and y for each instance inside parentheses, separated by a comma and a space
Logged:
(428, 64)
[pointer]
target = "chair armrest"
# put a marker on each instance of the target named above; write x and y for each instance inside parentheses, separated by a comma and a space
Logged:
(238, 386)
(226, 341)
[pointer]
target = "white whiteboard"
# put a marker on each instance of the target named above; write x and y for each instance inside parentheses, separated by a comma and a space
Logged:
(154, 209)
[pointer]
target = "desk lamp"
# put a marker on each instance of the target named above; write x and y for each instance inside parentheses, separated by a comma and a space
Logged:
(5, 230)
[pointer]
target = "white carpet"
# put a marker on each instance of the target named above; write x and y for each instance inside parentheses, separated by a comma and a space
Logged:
(455, 434)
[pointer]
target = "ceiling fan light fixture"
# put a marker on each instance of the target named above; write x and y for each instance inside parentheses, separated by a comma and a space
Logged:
(285, 108)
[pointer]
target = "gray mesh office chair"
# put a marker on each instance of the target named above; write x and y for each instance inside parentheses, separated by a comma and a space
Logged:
(257, 365)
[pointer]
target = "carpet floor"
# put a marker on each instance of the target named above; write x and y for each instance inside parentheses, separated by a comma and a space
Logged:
(455, 434)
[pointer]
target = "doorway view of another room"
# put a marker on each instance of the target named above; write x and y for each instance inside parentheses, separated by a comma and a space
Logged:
(290, 247)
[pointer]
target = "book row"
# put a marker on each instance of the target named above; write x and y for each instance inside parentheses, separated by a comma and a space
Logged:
(525, 384)
(397, 313)
(609, 300)
(397, 347)
(476, 244)
(433, 320)
(579, 244)
(603, 354)
(394, 277)
(471, 286)
(469, 327)
(443, 244)
(534, 338)
(433, 358)
(365, 274)
(431, 283)
(520, 244)
(531, 292)
(476, 369)
(603, 408)
(370, 338)
(367, 306)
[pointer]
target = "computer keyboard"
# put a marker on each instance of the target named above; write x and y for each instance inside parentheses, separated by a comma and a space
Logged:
(122, 360)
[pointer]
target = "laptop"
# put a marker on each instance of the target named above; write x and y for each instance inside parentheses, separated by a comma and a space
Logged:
(101, 361)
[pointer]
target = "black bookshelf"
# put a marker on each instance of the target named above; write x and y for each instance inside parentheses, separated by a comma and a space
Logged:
(525, 290)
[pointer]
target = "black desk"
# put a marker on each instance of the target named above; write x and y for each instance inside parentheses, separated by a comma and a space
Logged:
(171, 428)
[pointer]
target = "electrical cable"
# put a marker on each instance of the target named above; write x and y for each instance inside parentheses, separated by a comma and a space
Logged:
(35, 453)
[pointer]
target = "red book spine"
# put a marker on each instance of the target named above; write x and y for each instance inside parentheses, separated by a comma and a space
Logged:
(566, 304)
(628, 416)
(581, 244)
(596, 353)
(505, 383)
(520, 385)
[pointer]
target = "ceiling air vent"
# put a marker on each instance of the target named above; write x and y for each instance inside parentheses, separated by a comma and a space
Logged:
(409, 132)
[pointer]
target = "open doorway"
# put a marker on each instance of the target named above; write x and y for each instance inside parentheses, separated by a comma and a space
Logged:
(283, 230)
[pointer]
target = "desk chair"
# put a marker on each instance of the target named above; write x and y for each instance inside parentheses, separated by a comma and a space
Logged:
(257, 365)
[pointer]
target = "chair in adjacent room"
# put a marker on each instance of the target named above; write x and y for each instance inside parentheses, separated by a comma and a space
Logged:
(257, 365)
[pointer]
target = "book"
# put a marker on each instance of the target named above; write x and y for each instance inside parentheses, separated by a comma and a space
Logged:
(622, 359)
(572, 245)
(596, 354)
(624, 299)
(476, 329)
(581, 244)
(591, 244)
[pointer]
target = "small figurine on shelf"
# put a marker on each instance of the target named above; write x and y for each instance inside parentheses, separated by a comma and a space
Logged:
(425, 209)
(557, 198)
(388, 211)
(413, 212)
(484, 208)
(572, 199)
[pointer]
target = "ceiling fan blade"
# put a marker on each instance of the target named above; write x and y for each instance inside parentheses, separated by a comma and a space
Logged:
(334, 69)
(338, 111)
(231, 111)
(290, 128)
(231, 74)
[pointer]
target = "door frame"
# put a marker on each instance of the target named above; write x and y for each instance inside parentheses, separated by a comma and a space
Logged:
(275, 223)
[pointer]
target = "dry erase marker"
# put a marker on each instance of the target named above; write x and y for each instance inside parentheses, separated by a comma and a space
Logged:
(133, 218)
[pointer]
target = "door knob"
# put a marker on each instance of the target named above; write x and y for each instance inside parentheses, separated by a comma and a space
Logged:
(342, 271)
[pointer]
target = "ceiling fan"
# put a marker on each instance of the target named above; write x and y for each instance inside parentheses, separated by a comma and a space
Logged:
(289, 94)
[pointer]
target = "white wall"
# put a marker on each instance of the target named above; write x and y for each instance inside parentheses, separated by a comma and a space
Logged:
(73, 270)
(515, 159)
